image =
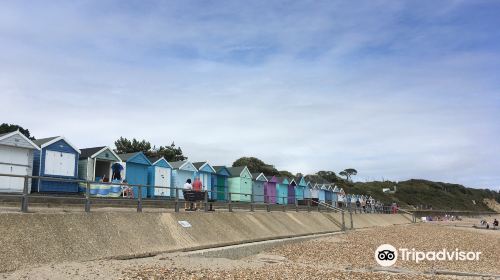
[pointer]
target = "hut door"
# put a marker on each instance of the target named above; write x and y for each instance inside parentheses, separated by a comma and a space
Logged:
(162, 179)
(4, 181)
(58, 163)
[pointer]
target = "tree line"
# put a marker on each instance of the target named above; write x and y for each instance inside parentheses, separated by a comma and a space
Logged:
(174, 153)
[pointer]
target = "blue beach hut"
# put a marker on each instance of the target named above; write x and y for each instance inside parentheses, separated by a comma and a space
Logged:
(259, 179)
(181, 171)
(321, 192)
(136, 166)
(328, 194)
(307, 190)
(219, 182)
(159, 175)
(57, 158)
(335, 196)
(205, 173)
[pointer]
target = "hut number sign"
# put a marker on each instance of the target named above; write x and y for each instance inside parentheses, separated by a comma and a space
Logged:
(184, 224)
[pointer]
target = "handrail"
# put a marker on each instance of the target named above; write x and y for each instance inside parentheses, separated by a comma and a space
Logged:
(330, 206)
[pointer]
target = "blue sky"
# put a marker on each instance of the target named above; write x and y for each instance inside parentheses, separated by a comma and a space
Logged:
(395, 89)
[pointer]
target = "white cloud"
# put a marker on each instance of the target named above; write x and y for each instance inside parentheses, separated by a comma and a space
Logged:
(306, 86)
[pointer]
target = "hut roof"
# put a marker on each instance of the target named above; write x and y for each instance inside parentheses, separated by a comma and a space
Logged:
(88, 152)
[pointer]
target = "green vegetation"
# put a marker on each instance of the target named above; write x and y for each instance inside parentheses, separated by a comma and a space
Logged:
(170, 153)
(6, 128)
(427, 194)
(256, 165)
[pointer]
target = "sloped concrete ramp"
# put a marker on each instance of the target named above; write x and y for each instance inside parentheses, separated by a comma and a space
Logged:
(37, 238)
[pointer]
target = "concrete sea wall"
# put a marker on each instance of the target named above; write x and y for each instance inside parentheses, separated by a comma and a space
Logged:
(31, 239)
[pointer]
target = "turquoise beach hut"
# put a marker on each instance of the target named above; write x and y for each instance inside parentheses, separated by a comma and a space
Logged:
(220, 182)
(181, 171)
(159, 175)
(136, 169)
(282, 190)
(300, 190)
(240, 183)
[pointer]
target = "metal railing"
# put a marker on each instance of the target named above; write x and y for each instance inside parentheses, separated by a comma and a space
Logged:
(231, 201)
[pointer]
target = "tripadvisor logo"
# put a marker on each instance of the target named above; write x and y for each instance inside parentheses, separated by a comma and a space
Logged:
(387, 255)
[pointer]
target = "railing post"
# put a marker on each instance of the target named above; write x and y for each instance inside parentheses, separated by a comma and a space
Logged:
(268, 206)
(87, 197)
(206, 201)
(139, 199)
(296, 205)
(343, 221)
(284, 205)
(176, 199)
(252, 200)
(350, 214)
(24, 200)
(229, 205)
(309, 205)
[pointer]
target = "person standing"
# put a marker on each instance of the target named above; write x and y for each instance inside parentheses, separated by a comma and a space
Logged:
(197, 187)
(187, 187)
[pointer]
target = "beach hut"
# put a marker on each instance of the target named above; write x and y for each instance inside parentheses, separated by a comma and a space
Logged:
(95, 163)
(16, 158)
(291, 191)
(136, 170)
(205, 173)
(307, 190)
(57, 158)
(321, 192)
(270, 190)
(259, 179)
(240, 183)
(328, 194)
(300, 190)
(314, 191)
(219, 182)
(282, 190)
(341, 200)
(181, 171)
(335, 196)
(159, 175)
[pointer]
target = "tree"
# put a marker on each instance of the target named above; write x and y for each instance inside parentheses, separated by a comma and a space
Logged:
(284, 173)
(170, 153)
(348, 173)
(330, 176)
(256, 165)
(123, 145)
(6, 128)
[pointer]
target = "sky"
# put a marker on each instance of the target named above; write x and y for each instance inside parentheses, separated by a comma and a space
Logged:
(395, 89)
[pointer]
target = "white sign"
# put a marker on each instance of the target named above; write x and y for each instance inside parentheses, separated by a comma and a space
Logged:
(184, 223)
